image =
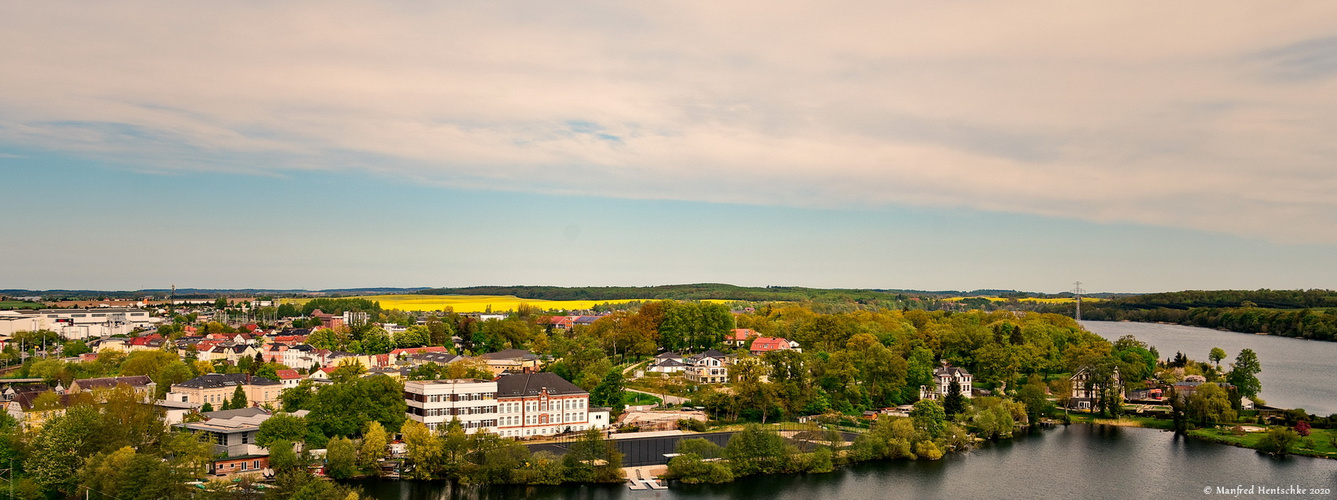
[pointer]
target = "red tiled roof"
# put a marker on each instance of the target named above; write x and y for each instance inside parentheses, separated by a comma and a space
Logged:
(287, 374)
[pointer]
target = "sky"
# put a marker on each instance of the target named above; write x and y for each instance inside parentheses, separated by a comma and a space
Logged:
(1135, 146)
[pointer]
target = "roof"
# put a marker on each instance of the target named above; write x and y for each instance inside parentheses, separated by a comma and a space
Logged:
(418, 350)
(509, 354)
(112, 382)
(288, 374)
(216, 380)
(710, 354)
(769, 344)
(954, 371)
(742, 333)
(668, 355)
(531, 384)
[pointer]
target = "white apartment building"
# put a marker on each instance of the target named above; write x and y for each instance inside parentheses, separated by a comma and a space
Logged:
(436, 402)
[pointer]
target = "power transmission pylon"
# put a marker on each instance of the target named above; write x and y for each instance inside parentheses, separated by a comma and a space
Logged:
(1078, 292)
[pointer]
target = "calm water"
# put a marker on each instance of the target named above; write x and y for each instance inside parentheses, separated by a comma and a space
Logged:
(1079, 461)
(1296, 373)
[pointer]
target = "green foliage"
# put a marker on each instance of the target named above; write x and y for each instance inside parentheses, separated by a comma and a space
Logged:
(374, 441)
(60, 447)
(701, 447)
(339, 306)
(341, 409)
(929, 416)
(609, 392)
(341, 458)
(239, 398)
(281, 427)
(756, 450)
(1210, 403)
(593, 459)
(1278, 440)
(282, 458)
(1244, 373)
(690, 468)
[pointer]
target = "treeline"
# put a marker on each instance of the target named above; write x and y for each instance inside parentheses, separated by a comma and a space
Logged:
(486, 458)
(1309, 314)
(700, 291)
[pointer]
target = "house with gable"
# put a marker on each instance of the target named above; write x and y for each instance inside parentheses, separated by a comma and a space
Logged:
(710, 367)
(942, 382)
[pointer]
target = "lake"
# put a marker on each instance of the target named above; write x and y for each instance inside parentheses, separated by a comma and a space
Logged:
(1296, 373)
(1077, 461)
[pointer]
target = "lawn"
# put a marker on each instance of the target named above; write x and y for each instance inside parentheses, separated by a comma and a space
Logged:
(1321, 439)
(635, 398)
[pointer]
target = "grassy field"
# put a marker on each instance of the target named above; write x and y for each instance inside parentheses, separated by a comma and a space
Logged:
(1320, 438)
(474, 303)
(16, 304)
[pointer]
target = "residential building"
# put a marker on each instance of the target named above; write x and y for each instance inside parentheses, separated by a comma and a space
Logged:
(436, 402)
(764, 345)
(233, 434)
(510, 360)
(1086, 390)
(668, 362)
(739, 337)
(288, 378)
(942, 382)
(140, 383)
(710, 367)
(215, 388)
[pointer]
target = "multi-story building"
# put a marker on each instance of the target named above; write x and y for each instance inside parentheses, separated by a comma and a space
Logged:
(540, 404)
(436, 402)
(513, 405)
(233, 433)
(76, 323)
(215, 388)
(942, 382)
(710, 367)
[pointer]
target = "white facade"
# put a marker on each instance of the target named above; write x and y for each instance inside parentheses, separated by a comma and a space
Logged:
(436, 402)
(76, 324)
(530, 405)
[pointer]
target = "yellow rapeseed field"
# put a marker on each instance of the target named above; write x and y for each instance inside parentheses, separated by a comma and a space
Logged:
(475, 303)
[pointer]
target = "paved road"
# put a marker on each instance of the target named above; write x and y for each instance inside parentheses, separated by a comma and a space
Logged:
(673, 400)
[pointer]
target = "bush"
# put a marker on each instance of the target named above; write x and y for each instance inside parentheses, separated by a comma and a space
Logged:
(691, 424)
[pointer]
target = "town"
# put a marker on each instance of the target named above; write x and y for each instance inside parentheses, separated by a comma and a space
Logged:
(283, 392)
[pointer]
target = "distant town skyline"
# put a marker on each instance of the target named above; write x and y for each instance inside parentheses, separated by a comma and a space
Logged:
(871, 145)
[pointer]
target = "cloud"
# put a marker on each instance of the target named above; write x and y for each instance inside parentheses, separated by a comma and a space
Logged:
(1195, 115)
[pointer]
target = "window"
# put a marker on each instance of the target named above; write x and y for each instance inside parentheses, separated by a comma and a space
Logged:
(255, 464)
(243, 466)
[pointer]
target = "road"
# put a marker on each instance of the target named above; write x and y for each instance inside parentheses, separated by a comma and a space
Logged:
(673, 400)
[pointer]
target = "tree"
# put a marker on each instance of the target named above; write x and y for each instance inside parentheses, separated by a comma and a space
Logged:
(341, 458)
(60, 446)
(239, 398)
(756, 450)
(424, 450)
(1210, 403)
(281, 427)
(929, 416)
(954, 402)
(609, 392)
(1278, 440)
(282, 458)
(1217, 355)
(593, 459)
(1244, 373)
(207, 408)
(374, 440)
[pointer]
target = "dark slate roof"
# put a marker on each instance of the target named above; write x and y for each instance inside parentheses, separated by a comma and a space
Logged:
(669, 362)
(664, 355)
(215, 380)
(530, 384)
(950, 370)
(112, 382)
(710, 354)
